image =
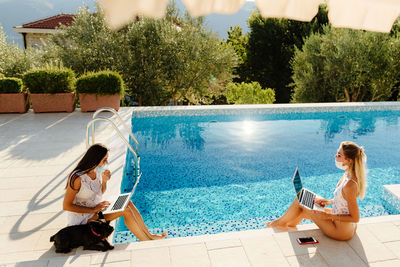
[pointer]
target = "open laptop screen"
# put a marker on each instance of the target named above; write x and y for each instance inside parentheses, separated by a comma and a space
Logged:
(297, 181)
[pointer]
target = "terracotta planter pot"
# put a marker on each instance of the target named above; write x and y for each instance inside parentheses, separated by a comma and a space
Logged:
(64, 102)
(92, 102)
(14, 103)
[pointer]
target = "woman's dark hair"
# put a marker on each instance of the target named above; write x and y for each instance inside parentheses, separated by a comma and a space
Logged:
(89, 161)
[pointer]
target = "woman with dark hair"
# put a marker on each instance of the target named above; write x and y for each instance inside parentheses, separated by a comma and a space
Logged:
(340, 221)
(85, 187)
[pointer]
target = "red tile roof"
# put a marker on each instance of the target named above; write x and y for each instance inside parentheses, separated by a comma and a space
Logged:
(51, 22)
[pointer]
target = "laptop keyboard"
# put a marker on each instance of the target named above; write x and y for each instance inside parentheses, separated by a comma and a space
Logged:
(308, 199)
(120, 202)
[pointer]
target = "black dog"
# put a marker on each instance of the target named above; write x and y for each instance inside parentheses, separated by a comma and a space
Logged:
(91, 236)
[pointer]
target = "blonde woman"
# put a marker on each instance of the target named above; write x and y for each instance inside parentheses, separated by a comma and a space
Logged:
(340, 221)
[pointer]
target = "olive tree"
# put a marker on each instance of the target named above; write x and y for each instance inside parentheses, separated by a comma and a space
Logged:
(174, 58)
(13, 60)
(346, 65)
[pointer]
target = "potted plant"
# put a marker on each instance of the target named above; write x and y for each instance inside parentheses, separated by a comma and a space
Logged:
(100, 89)
(12, 97)
(52, 89)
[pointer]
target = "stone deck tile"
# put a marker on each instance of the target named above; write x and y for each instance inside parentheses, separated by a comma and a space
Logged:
(337, 253)
(10, 243)
(287, 241)
(72, 261)
(189, 256)
(368, 247)
(15, 208)
(391, 263)
(310, 260)
(232, 257)
(7, 195)
(113, 264)
(151, 257)
(32, 222)
(263, 251)
(110, 257)
(385, 232)
(217, 244)
(38, 263)
(394, 247)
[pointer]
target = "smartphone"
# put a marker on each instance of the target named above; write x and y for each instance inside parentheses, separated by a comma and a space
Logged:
(307, 240)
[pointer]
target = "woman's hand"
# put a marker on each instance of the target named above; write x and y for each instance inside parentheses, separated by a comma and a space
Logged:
(106, 175)
(323, 202)
(101, 206)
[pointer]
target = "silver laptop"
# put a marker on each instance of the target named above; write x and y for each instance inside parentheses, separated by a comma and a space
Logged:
(305, 196)
(118, 203)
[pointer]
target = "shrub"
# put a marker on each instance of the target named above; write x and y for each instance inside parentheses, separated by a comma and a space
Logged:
(249, 93)
(1, 75)
(51, 81)
(10, 85)
(100, 83)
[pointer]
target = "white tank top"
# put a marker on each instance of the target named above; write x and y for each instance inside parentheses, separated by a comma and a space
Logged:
(89, 195)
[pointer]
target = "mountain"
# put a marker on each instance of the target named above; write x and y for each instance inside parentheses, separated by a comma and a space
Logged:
(17, 12)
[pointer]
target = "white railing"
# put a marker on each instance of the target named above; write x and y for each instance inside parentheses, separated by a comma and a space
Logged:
(135, 152)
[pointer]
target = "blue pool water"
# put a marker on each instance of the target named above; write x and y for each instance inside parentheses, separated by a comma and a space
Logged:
(219, 173)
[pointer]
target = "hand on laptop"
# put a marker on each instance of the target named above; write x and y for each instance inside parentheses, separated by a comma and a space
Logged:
(101, 206)
(323, 202)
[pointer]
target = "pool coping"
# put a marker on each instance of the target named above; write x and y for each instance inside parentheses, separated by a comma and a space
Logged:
(262, 108)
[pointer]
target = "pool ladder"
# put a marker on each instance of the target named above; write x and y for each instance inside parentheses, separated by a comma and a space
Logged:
(135, 152)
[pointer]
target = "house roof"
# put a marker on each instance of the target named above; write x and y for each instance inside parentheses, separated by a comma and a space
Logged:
(51, 22)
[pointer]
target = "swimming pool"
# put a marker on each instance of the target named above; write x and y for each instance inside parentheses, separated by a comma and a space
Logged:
(229, 170)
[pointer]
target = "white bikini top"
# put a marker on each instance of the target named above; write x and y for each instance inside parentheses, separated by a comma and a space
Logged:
(340, 205)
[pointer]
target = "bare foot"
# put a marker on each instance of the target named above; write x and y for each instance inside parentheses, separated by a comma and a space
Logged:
(156, 237)
(277, 224)
(273, 224)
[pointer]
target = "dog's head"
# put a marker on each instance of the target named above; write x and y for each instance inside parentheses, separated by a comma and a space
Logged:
(101, 228)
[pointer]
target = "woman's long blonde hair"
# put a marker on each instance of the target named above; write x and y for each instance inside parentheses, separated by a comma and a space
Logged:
(356, 153)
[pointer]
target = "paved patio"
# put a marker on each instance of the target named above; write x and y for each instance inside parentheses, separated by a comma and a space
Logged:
(37, 151)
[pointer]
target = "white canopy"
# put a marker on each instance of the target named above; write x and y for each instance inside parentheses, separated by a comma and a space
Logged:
(372, 15)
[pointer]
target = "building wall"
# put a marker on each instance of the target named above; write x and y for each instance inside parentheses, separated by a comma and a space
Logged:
(35, 39)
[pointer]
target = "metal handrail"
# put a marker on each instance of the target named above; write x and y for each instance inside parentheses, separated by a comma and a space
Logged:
(120, 120)
(91, 123)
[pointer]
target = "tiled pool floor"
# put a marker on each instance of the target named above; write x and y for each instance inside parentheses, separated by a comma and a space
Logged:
(38, 150)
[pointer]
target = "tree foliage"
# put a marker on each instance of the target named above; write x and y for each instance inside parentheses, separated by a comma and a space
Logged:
(13, 61)
(346, 65)
(159, 59)
(249, 93)
(271, 45)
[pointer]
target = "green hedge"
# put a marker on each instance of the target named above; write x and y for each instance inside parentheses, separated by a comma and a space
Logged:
(49, 81)
(10, 85)
(100, 83)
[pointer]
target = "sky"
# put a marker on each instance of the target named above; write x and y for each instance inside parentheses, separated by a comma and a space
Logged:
(17, 12)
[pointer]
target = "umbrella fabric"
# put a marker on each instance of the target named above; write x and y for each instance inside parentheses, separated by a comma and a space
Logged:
(372, 15)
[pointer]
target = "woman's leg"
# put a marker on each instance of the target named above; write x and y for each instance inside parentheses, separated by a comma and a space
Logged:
(292, 217)
(130, 221)
(141, 223)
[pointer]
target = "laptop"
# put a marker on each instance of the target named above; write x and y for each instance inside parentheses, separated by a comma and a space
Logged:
(118, 203)
(304, 196)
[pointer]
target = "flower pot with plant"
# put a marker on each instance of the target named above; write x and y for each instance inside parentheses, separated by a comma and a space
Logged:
(12, 97)
(100, 89)
(52, 89)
